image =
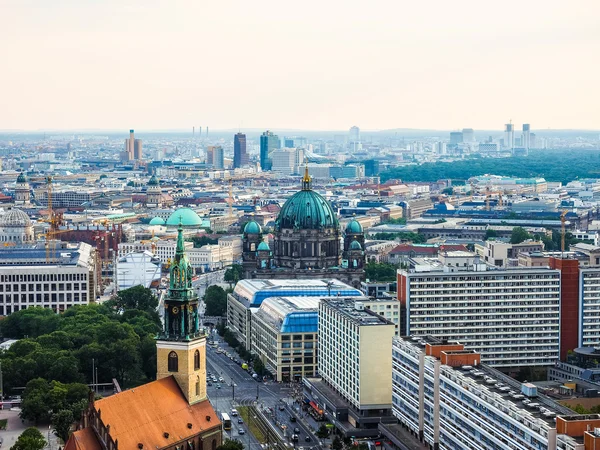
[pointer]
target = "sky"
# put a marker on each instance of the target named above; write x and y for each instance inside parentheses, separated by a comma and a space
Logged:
(312, 65)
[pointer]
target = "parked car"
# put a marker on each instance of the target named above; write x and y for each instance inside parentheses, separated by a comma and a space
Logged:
(296, 430)
(292, 419)
(241, 431)
(240, 420)
(295, 437)
(307, 439)
(218, 385)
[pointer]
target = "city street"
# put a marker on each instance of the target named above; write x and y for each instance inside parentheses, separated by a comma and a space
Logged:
(208, 279)
(247, 391)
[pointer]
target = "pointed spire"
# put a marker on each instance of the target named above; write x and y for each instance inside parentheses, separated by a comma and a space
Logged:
(306, 180)
(180, 241)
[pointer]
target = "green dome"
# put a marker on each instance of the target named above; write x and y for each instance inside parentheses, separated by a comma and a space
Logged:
(263, 246)
(21, 178)
(252, 227)
(153, 181)
(157, 221)
(306, 210)
(188, 218)
(354, 227)
(355, 245)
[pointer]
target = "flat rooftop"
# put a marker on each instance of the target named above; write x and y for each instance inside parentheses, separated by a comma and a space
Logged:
(356, 312)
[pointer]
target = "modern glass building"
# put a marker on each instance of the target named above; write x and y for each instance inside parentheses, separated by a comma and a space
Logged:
(249, 294)
(284, 336)
(268, 143)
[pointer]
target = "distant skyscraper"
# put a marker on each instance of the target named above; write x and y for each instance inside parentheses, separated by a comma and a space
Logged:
(509, 136)
(526, 137)
(218, 157)
(210, 151)
(456, 137)
(354, 138)
(133, 148)
(371, 167)
(468, 135)
(268, 143)
(532, 142)
(240, 157)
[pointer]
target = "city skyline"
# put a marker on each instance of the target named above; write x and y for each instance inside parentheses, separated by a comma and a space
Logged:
(78, 65)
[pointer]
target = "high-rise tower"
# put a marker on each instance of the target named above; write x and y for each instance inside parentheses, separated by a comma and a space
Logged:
(268, 143)
(526, 137)
(509, 136)
(133, 148)
(181, 347)
(240, 157)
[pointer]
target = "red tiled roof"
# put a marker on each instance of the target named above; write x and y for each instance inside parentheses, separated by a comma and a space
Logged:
(142, 415)
(83, 440)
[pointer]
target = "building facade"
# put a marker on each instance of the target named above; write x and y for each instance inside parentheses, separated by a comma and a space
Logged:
(355, 388)
(268, 143)
(138, 269)
(240, 156)
(512, 317)
(64, 277)
(307, 242)
(446, 397)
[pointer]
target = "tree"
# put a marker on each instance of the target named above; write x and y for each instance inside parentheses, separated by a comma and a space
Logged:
(490, 233)
(136, 297)
(337, 444)
(30, 439)
(234, 274)
(380, 272)
(519, 234)
(322, 432)
(62, 422)
(259, 367)
(215, 299)
(200, 241)
(231, 444)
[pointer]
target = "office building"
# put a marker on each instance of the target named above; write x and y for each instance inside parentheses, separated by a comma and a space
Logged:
(173, 412)
(240, 156)
(456, 137)
(526, 137)
(133, 148)
(138, 269)
(488, 147)
(286, 161)
(509, 136)
(371, 167)
(248, 295)
(511, 317)
(355, 387)
(58, 278)
(468, 135)
(505, 254)
(268, 143)
(447, 398)
(215, 157)
(295, 142)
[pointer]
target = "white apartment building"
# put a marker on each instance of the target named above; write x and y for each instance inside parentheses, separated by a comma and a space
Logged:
(387, 308)
(451, 405)
(353, 351)
(208, 257)
(28, 278)
(511, 317)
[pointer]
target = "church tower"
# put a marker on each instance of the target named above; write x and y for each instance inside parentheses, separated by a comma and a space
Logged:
(181, 346)
(153, 193)
(22, 191)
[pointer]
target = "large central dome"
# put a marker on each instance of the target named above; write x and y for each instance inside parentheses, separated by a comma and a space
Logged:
(306, 210)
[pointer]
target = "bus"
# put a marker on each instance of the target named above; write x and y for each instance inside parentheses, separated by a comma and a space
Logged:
(226, 421)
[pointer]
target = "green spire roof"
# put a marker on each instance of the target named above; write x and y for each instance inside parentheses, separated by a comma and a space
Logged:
(355, 245)
(181, 271)
(252, 227)
(354, 227)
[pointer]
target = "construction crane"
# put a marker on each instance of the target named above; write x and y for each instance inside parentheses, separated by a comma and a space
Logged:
(563, 232)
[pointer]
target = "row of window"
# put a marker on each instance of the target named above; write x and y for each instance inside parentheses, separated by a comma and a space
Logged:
(43, 277)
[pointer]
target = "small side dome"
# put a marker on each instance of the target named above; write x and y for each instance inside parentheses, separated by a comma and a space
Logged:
(252, 227)
(354, 227)
(21, 178)
(263, 246)
(157, 221)
(153, 181)
(355, 245)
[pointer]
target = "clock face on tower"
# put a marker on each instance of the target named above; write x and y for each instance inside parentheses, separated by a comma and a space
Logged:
(175, 310)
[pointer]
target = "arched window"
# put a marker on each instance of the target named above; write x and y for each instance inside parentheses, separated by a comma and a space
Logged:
(196, 360)
(214, 444)
(197, 385)
(173, 362)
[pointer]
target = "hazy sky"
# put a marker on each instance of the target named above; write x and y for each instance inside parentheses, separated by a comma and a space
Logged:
(323, 64)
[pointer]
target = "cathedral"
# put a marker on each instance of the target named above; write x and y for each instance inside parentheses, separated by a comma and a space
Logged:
(308, 243)
(173, 412)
